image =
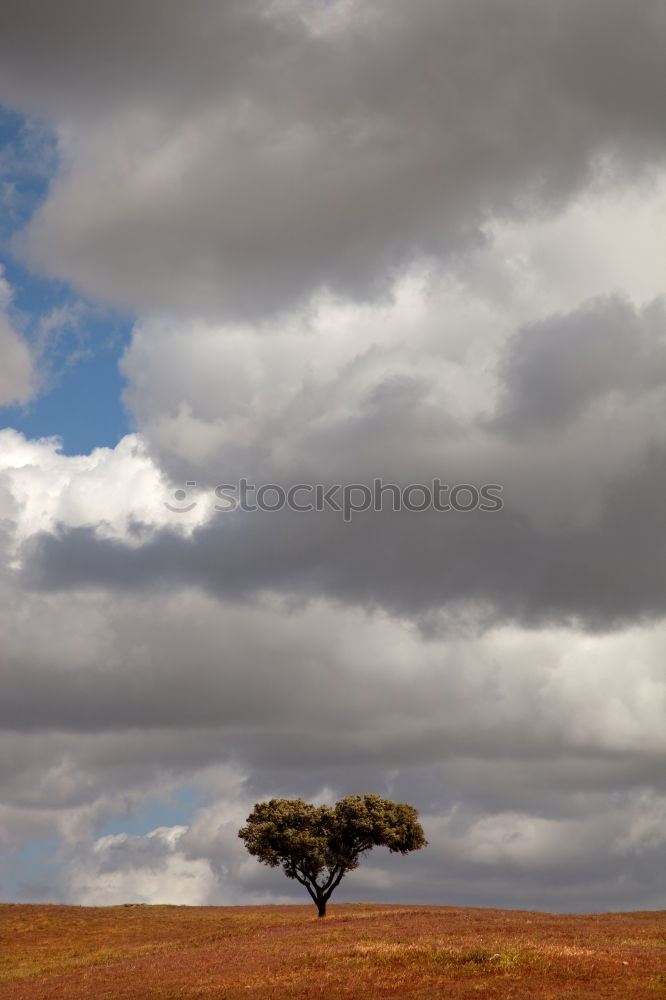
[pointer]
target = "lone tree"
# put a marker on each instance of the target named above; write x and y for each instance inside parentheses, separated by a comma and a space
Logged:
(318, 845)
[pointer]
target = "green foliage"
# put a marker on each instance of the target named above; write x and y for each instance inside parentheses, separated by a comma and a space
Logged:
(318, 845)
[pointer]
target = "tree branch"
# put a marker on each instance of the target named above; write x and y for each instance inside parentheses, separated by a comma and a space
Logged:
(332, 875)
(336, 883)
(306, 882)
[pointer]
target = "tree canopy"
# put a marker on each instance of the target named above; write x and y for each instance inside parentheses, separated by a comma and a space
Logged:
(318, 845)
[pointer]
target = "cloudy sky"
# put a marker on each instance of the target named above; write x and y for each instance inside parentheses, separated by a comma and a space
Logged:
(325, 242)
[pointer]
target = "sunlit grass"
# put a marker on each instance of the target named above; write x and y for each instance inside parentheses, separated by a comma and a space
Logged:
(362, 951)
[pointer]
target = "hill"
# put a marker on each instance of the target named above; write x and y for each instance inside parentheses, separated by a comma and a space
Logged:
(359, 951)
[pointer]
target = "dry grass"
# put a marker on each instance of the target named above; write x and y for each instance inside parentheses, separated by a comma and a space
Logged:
(358, 951)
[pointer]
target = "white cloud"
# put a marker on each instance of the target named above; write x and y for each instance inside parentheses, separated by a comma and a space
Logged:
(112, 489)
(347, 391)
(149, 869)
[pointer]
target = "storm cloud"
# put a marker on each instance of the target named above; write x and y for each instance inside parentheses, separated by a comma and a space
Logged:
(357, 240)
(232, 158)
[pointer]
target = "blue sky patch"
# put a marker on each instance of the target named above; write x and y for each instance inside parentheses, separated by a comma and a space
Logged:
(76, 346)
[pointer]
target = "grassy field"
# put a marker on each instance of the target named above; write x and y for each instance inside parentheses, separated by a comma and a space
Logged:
(363, 951)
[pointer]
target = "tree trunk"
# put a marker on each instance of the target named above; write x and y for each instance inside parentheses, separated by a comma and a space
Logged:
(321, 907)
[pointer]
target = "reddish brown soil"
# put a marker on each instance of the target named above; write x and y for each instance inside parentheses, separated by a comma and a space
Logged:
(358, 951)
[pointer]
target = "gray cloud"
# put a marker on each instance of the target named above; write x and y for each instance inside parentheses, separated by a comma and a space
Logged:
(255, 154)
(502, 671)
(553, 370)
(534, 756)
(606, 855)
(18, 377)
(602, 576)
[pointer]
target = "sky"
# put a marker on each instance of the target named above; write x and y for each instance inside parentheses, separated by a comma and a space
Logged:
(324, 244)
